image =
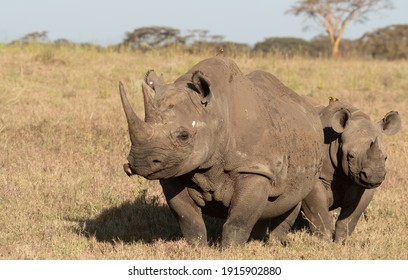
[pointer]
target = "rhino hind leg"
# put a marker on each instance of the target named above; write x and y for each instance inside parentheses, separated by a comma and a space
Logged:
(260, 232)
(280, 226)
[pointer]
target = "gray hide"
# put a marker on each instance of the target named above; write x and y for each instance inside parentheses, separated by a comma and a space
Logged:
(240, 147)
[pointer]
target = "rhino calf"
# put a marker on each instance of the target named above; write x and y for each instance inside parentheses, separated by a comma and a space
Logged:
(353, 167)
(240, 147)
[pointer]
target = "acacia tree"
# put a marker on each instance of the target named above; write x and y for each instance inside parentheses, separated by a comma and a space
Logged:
(335, 15)
(153, 36)
(39, 37)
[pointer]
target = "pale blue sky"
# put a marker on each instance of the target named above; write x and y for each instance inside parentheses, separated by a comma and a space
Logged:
(106, 21)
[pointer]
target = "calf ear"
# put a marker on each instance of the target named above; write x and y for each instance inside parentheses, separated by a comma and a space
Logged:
(203, 86)
(153, 80)
(340, 119)
(391, 123)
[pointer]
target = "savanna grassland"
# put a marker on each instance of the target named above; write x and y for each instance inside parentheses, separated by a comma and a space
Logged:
(63, 140)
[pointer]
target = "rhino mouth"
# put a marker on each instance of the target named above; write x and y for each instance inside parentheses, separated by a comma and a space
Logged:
(366, 177)
(162, 173)
(366, 183)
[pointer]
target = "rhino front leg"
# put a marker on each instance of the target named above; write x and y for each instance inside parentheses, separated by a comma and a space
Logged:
(186, 211)
(316, 209)
(350, 214)
(247, 205)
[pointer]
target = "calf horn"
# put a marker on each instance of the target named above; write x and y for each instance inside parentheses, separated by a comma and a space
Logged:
(374, 148)
(139, 131)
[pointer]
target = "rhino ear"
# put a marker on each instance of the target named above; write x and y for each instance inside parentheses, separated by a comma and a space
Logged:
(339, 120)
(391, 123)
(153, 80)
(203, 86)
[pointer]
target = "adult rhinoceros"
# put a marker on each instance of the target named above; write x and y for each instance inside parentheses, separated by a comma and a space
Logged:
(240, 147)
(353, 167)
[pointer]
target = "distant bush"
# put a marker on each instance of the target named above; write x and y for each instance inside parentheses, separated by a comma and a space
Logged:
(390, 42)
(285, 46)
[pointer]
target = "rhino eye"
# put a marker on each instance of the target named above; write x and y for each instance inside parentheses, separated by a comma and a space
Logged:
(183, 135)
(350, 156)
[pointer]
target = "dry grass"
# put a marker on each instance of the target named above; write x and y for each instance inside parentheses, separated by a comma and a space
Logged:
(63, 140)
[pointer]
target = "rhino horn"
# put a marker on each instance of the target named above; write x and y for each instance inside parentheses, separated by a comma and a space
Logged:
(374, 148)
(150, 108)
(139, 131)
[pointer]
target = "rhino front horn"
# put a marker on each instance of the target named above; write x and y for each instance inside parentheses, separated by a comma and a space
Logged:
(139, 131)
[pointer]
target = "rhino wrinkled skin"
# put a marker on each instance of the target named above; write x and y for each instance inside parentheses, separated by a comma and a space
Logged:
(353, 168)
(240, 147)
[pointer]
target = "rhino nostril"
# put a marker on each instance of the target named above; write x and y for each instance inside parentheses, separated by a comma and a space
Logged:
(156, 161)
(364, 175)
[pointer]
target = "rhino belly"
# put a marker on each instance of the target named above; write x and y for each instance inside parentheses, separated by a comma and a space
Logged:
(297, 186)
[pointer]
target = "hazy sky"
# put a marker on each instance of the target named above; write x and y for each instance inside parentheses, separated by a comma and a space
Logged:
(106, 21)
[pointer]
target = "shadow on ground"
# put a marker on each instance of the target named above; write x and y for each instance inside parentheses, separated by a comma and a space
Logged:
(139, 221)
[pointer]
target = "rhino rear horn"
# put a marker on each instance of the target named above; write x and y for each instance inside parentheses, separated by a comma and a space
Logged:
(139, 131)
(339, 120)
(150, 109)
(391, 123)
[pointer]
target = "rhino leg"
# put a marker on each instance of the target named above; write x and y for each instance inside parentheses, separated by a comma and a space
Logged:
(280, 226)
(246, 208)
(316, 209)
(350, 214)
(186, 211)
(261, 230)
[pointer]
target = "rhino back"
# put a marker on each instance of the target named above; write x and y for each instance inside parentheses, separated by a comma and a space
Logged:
(291, 119)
